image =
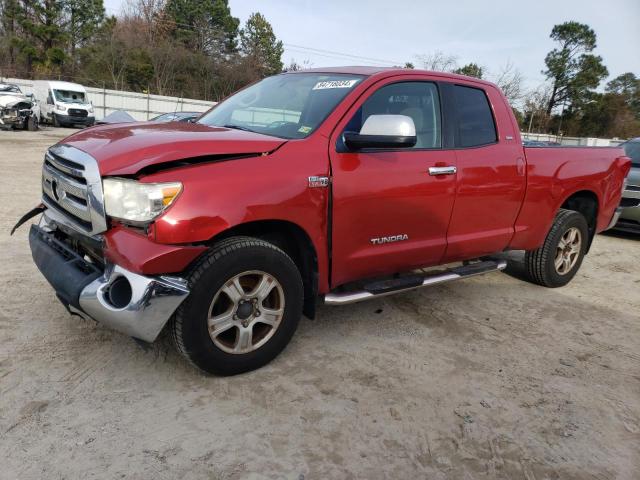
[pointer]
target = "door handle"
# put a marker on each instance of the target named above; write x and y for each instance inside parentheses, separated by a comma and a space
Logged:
(451, 170)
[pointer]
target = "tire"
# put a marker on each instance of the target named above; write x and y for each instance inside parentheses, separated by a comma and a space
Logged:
(544, 265)
(54, 121)
(32, 123)
(249, 260)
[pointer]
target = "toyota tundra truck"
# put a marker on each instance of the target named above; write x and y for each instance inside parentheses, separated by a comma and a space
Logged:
(330, 185)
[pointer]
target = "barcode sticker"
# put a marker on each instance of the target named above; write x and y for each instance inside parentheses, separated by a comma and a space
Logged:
(335, 84)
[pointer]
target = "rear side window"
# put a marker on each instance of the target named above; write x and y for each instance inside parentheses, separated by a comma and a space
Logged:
(474, 121)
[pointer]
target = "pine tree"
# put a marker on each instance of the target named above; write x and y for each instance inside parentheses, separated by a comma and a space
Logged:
(205, 26)
(259, 44)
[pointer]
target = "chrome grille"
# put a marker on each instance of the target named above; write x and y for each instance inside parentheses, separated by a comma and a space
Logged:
(72, 189)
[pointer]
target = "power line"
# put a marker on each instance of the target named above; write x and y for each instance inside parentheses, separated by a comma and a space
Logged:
(319, 51)
(336, 57)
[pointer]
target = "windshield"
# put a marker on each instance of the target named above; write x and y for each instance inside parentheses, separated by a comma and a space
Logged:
(632, 150)
(285, 106)
(67, 96)
(165, 117)
(4, 88)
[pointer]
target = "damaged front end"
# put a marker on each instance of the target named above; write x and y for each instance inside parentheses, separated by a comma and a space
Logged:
(77, 250)
(134, 304)
(17, 112)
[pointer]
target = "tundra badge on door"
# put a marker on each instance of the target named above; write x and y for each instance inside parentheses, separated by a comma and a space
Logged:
(392, 238)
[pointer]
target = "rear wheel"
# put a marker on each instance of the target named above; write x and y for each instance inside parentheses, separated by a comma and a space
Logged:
(557, 261)
(244, 307)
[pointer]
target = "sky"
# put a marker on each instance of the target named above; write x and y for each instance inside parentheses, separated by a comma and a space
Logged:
(489, 33)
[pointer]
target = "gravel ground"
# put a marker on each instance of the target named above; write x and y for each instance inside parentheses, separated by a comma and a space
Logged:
(489, 377)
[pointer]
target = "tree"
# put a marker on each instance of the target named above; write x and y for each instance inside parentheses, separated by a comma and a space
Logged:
(535, 109)
(42, 37)
(106, 59)
(8, 25)
(627, 86)
(438, 61)
(470, 70)
(296, 67)
(606, 115)
(206, 26)
(572, 68)
(509, 79)
(83, 19)
(260, 46)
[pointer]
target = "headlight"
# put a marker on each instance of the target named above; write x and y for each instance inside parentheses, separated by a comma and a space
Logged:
(135, 201)
(91, 109)
(62, 108)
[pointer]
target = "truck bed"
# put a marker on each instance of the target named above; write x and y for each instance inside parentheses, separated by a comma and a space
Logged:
(554, 173)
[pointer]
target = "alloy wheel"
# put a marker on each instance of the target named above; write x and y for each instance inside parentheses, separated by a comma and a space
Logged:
(246, 312)
(568, 251)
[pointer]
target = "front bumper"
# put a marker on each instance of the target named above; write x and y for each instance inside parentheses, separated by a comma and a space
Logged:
(73, 120)
(629, 218)
(12, 121)
(125, 301)
(614, 218)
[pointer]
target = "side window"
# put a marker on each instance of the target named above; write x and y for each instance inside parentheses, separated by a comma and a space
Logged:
(473, 117)
(418, 100)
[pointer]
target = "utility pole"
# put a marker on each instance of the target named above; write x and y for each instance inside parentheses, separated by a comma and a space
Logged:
(561, 116)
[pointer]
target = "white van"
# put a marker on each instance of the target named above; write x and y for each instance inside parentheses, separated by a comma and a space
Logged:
(63, 103)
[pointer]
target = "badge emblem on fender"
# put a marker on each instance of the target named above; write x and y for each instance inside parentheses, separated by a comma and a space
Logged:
(392, 238)
(318, 182)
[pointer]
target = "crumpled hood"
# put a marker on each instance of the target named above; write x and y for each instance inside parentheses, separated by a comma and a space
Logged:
(125, 149)
(7, 101)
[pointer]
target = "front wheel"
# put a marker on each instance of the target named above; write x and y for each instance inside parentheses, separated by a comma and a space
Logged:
(32, 123)
(245, 303)
(557, 261)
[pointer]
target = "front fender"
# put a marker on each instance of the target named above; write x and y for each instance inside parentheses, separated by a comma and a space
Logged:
(218, 196)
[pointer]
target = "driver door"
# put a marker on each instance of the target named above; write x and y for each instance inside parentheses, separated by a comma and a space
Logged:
(391, 209)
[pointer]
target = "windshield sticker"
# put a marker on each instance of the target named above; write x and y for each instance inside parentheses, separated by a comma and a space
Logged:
(335, 84)
(304, 129)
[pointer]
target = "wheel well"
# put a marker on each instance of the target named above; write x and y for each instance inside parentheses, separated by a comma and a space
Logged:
(295, 242)
(586, 203)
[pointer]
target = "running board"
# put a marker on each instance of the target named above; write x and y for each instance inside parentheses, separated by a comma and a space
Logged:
(383, 288)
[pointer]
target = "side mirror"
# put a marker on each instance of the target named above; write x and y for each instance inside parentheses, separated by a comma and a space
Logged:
(49, 101)
(383, 131)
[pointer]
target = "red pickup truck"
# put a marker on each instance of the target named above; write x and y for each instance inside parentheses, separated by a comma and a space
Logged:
(338, 185)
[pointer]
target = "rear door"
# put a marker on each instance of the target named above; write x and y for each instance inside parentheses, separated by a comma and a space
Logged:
(491, 177)
(389, 213)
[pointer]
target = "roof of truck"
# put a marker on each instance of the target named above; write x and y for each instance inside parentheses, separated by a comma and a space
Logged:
(353, 70)
(390, 71)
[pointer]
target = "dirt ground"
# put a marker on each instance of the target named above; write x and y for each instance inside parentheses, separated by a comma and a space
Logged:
(489, 377)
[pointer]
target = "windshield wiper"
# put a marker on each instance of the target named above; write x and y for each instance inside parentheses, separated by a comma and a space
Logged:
(237, 127)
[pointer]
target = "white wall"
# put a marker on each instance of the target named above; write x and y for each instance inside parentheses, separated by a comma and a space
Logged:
(139, 105)
(575, 141)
